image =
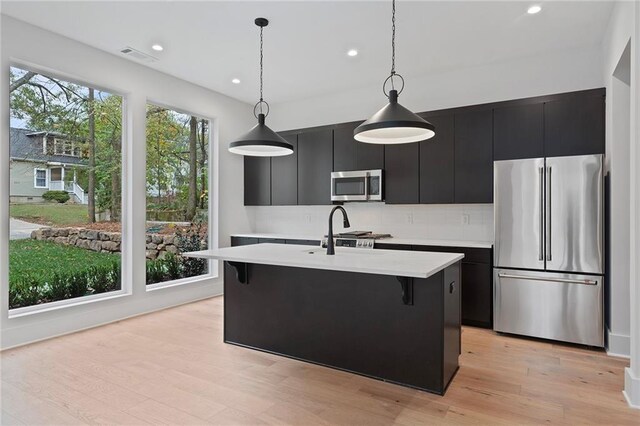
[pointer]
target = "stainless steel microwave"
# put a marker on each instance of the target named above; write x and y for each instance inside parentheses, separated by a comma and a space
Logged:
(359, 185)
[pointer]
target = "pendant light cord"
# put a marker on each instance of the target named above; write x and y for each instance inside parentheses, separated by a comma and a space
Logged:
(261, 42)
(393, 55)
(393, 39)
(261, 107)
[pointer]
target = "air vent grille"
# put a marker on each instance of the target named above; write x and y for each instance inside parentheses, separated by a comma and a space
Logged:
(137, 55)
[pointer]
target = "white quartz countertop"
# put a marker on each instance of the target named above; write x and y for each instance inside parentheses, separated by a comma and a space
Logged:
(380, 262)
(393, 240)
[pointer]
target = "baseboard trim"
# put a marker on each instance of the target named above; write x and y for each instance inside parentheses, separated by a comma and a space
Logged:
(631, 390)
(618, 345)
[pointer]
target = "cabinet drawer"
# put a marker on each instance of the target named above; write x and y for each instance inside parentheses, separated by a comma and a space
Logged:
(271, 240)
(304, 242)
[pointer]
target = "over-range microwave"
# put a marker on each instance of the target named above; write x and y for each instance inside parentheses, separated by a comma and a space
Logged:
(358, 185)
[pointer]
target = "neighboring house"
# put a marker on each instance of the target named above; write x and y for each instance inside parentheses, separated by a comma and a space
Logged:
(44, 161)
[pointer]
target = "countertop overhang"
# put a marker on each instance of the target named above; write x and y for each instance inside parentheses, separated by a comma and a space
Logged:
(380, 262)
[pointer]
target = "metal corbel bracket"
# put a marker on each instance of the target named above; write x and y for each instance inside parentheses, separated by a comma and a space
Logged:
(242, 271)
(407, 289)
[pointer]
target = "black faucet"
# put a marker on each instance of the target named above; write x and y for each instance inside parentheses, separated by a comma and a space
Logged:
(345, 222)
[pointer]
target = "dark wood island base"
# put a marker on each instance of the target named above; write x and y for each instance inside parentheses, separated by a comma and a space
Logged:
(397, 329)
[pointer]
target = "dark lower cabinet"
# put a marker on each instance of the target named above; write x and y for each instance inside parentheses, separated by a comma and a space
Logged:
(477, 294)
(303, 242)
(284, 176)
(402, 173)
(243, 241)
(474, 157)
(437, 162)
(315, 164)
(574, 125)
(257, 181)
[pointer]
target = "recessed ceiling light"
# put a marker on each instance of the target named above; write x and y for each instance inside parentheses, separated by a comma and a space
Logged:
(534, 9)
(157, 47)
(236, 81)
(352, 52)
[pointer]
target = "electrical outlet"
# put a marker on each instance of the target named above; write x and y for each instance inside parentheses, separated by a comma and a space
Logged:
(307, 218)
(465, 218)
(410, 218)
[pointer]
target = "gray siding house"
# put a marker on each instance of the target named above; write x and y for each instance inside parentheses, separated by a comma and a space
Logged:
(44, 161)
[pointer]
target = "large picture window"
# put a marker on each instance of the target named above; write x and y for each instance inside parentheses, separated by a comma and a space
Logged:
(65, 190)
(177, 194)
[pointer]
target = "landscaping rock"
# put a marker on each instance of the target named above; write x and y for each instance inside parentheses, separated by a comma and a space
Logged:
(156, 239)
(110, 246)
(152, 254)
(95, 245)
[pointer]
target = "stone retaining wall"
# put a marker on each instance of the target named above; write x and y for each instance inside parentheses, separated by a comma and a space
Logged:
(105, 242)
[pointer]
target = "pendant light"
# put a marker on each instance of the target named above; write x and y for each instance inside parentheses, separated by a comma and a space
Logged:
(393, 124)
(261, 141)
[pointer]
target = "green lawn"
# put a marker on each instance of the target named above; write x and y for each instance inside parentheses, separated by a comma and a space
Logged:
(40, 259)
(52, 214)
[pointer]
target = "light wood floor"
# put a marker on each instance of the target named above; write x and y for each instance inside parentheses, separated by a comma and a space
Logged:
(171, 367)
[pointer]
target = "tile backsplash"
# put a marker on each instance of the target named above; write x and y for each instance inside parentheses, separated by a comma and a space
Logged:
(471, 222)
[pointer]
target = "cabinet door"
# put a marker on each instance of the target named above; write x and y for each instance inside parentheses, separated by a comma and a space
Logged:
(243, 241)
(477, 292)
(574, 126)
(315, 164)
(257, 181)
(349, 154)
(401, 173)
(474, 157)
(437, 163)
(344, 148)
(518, 132)
(284, 176)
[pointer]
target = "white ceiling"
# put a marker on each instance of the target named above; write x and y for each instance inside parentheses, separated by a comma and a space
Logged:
(209, 43)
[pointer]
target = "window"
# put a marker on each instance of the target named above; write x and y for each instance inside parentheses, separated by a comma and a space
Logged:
(77, 255)
(65, 147)
(177, 194)
(40, 180)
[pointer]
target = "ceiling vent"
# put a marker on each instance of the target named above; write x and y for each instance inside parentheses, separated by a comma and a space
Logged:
(137, 55)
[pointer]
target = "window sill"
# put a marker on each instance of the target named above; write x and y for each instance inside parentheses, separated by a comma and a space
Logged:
(62, 304)
(181, 282)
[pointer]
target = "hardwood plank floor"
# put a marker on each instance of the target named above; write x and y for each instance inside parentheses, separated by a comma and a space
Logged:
(171, 367)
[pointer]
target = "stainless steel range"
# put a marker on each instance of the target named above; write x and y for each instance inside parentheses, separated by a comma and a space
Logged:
(356, 239)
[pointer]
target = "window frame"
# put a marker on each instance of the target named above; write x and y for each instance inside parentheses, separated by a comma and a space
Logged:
(35, 177)
(212, 229)
(126, 281)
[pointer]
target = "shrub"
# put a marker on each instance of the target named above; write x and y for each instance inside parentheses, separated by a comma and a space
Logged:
(59, 196)
(173, 266)
(78, 284)
(155, 272)
(192, 239)
(57, 288)
(25, 292)
(100, 279)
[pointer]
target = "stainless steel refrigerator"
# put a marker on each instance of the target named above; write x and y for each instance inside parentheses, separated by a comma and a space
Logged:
(548, 252)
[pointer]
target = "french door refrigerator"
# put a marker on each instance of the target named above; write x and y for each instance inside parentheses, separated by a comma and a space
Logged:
(548, 251)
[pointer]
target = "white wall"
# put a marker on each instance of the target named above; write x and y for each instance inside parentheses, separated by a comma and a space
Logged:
(71, 59)
(618, 124)
(558, 72)
(540, 75)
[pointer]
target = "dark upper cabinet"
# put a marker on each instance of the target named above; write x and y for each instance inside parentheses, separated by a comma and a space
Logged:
(257, 181)
(437, 162)
(518, 132)
(473, 182)
(574, 125)
(402, 173)
(349, 154)
(284, 176)
(315, 164)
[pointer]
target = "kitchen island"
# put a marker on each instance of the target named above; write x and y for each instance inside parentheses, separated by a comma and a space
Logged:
(387, 314)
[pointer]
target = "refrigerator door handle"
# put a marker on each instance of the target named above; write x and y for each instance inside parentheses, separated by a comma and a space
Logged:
(548, 198)
(555, 280)
(541, 242)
